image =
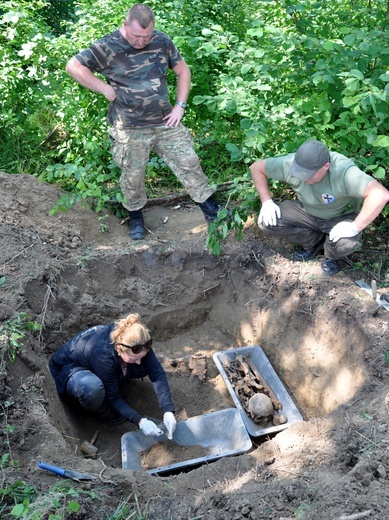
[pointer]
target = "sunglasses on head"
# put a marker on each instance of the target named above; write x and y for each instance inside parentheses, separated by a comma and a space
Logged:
(137, 349)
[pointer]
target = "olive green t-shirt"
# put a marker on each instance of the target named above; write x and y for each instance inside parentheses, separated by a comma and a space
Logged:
(137, 75)
(341, 191)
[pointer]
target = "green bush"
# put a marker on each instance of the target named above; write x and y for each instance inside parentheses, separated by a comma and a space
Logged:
(265, 77)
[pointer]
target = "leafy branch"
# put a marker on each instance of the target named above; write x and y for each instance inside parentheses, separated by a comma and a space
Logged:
(12, 332)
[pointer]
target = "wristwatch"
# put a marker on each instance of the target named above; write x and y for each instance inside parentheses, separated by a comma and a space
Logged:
(181, 104)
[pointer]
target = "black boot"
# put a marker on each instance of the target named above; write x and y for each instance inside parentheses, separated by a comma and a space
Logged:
(211, 208)
(330, 266)
(307, 254)
(137, 227)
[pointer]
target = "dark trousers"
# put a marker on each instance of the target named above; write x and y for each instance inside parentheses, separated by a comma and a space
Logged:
(298, 227)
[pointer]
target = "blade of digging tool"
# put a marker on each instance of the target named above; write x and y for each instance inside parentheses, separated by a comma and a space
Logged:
(381, 300)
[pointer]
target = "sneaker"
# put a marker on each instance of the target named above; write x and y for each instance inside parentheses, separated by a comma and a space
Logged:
(307, 254)
(330, 266)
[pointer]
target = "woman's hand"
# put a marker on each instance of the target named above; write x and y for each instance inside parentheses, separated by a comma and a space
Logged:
(170, 422)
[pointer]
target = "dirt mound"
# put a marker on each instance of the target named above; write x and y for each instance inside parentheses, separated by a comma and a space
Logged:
(77, 269)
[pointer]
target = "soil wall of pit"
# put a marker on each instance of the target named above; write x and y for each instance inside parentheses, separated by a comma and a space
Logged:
(199, 304)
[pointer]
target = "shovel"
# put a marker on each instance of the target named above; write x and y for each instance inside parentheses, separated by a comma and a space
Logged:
(88, 449)
(67, 473)
(381, 299)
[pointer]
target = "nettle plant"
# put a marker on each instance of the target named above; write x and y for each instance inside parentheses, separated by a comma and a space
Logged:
(287, 82)
(317, 73)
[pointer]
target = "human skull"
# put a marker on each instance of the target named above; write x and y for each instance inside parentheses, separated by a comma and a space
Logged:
(260, 407)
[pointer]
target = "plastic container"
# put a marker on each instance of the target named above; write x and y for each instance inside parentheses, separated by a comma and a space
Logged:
(261, 364)
(222, 433)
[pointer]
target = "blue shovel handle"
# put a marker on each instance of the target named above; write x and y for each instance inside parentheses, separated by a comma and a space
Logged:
(54, 469)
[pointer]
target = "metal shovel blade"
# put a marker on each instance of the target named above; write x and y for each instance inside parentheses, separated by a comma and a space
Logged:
(67, 473)
(372, 291)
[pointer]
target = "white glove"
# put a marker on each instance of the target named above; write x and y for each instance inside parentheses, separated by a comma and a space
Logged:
(170, 422)
(269, 213)
(343, 230)
(149, 428)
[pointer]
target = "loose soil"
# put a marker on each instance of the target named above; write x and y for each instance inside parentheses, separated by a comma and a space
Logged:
(78, 269)
(165, 454)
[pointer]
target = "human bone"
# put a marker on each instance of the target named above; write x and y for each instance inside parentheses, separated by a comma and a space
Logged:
(260, 406)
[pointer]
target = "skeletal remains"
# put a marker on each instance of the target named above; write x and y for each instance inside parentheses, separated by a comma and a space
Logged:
(257, 399)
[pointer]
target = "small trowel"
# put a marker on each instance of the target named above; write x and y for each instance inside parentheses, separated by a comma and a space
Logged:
(67, 473)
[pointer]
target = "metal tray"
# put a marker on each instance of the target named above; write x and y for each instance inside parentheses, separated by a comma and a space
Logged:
(260, 362)
(222, 432)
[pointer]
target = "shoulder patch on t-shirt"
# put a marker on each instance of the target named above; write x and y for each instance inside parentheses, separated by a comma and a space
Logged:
(327, 198)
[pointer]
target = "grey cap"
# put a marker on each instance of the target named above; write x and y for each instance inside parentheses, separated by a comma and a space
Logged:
(309, 158)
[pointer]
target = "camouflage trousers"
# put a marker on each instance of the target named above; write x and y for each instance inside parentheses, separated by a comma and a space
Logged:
(131, 149)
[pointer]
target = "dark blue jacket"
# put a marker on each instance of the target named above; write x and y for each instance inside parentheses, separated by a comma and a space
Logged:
(93, 350)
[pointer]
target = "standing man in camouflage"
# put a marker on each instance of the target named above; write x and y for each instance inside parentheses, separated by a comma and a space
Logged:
(134, 61)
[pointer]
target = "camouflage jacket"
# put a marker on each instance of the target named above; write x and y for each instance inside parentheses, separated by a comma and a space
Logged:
(137, 75)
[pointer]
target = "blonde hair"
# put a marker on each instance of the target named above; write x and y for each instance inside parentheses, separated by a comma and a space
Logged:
(130, 331)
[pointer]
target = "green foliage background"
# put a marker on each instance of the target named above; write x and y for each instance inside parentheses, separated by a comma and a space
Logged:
(266, 76)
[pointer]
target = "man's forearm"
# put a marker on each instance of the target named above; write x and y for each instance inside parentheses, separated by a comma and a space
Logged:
(260, 180)
(183, 74)
(375, 200)
(87, 79)
(183, 88)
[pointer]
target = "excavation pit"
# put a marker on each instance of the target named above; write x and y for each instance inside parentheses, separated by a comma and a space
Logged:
(198, 307)
(317, 333)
